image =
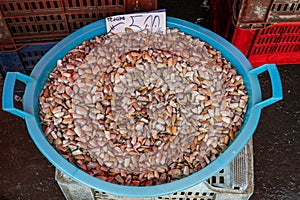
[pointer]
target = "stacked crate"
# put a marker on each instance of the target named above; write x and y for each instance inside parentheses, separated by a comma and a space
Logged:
(30, 23)
(36, 21)
(265, 31)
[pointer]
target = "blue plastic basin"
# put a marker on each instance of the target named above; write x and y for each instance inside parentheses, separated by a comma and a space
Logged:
(35, 82)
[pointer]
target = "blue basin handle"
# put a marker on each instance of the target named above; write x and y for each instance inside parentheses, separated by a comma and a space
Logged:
(275, 82)
(8, 93)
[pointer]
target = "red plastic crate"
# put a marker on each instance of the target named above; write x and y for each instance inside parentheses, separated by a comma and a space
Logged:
(279, 44)
(256, 28)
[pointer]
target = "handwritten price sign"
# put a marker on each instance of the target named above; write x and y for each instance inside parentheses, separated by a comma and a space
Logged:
(153, 21)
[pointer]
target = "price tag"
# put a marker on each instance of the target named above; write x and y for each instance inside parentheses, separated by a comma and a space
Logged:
(154, 21)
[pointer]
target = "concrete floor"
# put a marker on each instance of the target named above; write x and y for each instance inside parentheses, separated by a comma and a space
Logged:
(26, 174)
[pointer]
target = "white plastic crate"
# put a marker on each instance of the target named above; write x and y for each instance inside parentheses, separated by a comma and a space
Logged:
(235, 181)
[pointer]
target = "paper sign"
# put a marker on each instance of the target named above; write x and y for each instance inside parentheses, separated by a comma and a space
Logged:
(154, 21)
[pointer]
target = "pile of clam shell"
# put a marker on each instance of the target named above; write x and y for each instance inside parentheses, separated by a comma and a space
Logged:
(139, 108)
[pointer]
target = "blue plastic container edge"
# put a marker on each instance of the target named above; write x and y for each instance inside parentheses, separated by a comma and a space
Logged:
(8, 93)
(91, 31)
(275, 82)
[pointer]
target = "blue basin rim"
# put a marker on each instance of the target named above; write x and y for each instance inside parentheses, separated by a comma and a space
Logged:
(48, 62)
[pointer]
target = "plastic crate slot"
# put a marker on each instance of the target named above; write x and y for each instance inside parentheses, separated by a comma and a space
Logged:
(18, 94)
(19, 6)
(101, 2)
(284, 8)
(12, 8)
(273, 49)
(80, 4)
(292, 7)
(41, 6)
(77, 3)
(259, 41)
(266, 31)
(54, 27)
(26, 6)
(285, 48)
(13, 29)
(263, 49)
(69, 3)
(27, 28)
(291, 48)
(33, 5)
(221, 179)
(267, 40)
(48, 4)
(293, 29)
(213, 179)
(288, 48)
(294, 39)
(20, 29)
(4, 8)
(273, 40)
(290, 30)
(279, 49)
(55, 4)
(255, 50)
(288, 39)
